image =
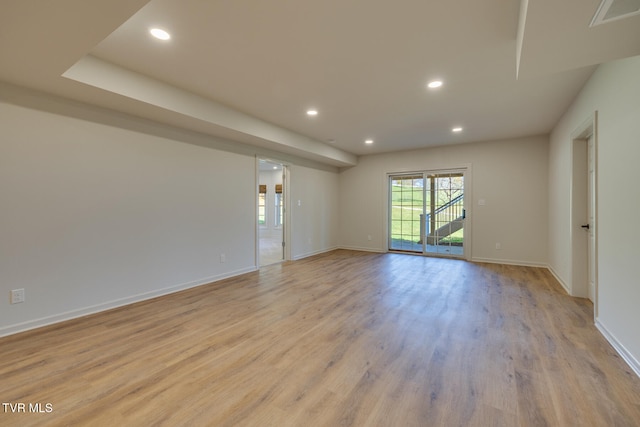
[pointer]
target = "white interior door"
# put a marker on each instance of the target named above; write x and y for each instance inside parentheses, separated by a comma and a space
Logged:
(591, 212)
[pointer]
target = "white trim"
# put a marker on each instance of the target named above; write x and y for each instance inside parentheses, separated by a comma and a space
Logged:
(256, 212)
(509, 262)
(596, 300)
(467, 171)
(73, 314)
(363, 249)
(586, 128)
(286, 220)
(313, 253)
(626, 355)
(557, 277)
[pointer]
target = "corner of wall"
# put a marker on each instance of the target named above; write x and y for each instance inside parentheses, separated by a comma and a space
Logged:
(626, 355)
(564, 285)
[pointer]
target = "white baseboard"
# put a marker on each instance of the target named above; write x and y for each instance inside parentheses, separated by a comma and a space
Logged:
(85, 311)
(562, 282)
(509, 262)
(633, 363)
(362, 249)
(322, 251)
(312, 253)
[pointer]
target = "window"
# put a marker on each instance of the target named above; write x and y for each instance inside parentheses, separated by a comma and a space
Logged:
(279, 210)
(262, 205)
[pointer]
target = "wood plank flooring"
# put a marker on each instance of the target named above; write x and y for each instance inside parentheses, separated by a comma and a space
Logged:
(340, 339)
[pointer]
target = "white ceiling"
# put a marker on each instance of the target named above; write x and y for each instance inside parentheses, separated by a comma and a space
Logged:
(248, 70)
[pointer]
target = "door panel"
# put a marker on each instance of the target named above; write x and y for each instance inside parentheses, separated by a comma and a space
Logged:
(406, 211)
(445, 217)
(591, 210)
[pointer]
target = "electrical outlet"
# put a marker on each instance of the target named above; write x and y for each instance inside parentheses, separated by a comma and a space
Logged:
(16, 296)
(223, 258)
(498, 246)
(369, 237)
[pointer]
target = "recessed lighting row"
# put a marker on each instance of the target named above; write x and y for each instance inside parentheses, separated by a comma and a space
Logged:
(312, 112)
(161, 34)
(435, 84)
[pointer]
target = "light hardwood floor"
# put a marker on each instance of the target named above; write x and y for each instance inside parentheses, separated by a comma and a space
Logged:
(340, 339)
(270, 250)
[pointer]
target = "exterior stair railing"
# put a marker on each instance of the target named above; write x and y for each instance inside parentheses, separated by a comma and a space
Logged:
(450, 215)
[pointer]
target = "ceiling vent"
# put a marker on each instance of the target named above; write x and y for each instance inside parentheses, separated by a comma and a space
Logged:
(612, 10)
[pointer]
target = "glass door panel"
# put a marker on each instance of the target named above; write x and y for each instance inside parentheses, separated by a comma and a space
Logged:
(406, 211)
(445, 214)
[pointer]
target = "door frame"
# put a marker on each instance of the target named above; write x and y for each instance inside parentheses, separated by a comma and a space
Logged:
(286, 217)
(466, 169)
(580, 200)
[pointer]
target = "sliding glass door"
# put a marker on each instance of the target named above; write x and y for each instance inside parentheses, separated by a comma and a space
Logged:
(426, 213)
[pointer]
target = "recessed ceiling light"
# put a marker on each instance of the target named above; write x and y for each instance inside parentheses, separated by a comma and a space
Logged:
(368, 141)
(275, 168)
(456, 129)
(312, 112)
(160, 34)
(434, 84)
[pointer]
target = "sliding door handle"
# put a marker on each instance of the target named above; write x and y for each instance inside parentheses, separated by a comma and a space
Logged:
(586, 226)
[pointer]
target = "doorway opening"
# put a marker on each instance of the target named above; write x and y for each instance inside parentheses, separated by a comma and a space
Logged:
(427, 213)
(271, 220)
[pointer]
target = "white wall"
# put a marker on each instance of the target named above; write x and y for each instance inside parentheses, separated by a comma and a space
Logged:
(614, 92)
(510, 176)
(95, 215)
(314, 211)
